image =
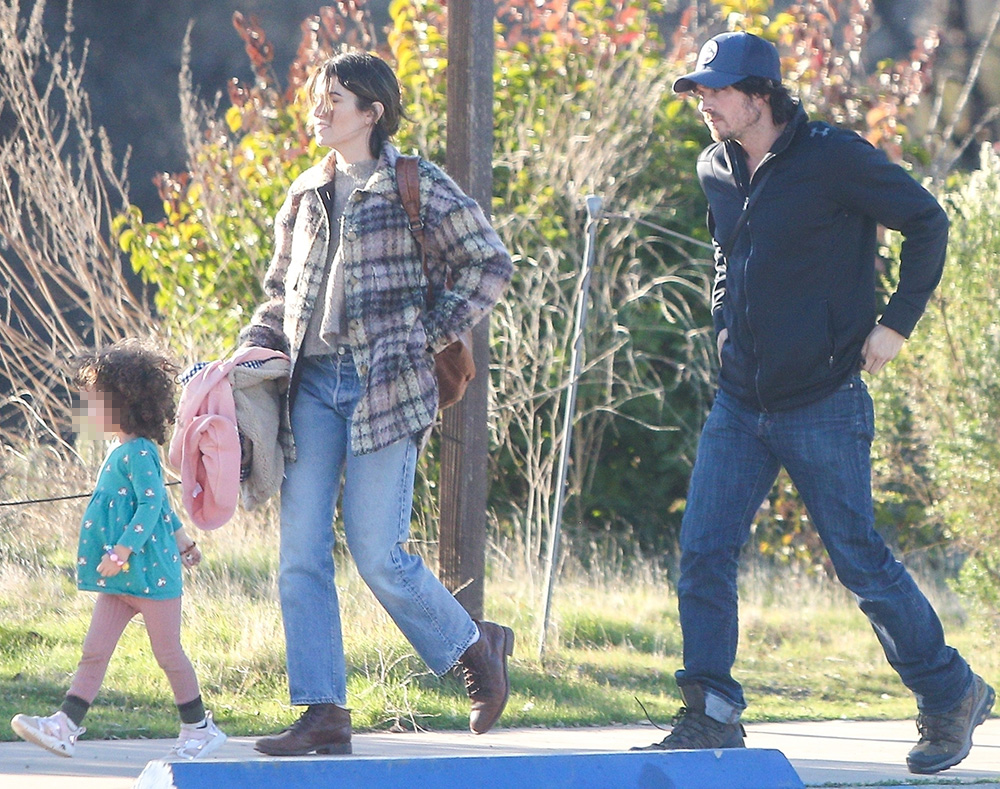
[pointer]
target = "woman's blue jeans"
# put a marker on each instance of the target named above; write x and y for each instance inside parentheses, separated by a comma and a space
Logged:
(376, 504)
(826, 449)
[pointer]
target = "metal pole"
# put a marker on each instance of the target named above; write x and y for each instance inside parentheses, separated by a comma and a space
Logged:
(594, 204)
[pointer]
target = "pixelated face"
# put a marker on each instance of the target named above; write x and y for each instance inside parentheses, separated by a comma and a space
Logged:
(96, 416)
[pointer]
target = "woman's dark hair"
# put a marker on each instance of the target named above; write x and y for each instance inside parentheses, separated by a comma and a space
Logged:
(783, 106)
(138, 381)
(369, 78)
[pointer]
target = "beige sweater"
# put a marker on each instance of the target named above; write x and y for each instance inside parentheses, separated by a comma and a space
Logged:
(328, 323)
(264, 434)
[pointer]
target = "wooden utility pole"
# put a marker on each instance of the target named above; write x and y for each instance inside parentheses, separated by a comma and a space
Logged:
(464, 439)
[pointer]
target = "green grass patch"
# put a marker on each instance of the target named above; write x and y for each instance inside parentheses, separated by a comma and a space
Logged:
(806, 651)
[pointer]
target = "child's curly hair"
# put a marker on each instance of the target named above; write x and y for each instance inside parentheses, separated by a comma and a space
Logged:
(139, 381)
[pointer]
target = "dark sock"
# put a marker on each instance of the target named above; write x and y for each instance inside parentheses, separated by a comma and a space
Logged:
(191, 711)
(75, 708)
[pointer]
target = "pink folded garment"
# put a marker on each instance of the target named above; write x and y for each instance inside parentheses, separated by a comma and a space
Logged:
(205, 447)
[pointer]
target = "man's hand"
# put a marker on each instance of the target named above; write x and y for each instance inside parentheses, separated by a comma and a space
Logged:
(880, 348)
(720, 341)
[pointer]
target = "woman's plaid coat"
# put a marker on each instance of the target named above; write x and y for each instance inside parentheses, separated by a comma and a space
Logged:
(391, 333)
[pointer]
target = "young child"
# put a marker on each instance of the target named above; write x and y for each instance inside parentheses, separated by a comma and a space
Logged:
(132, 546)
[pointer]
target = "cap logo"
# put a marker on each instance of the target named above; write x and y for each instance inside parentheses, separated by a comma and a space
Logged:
(708, 53)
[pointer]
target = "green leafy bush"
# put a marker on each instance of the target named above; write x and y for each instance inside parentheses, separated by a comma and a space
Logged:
(947, 389)
(564, 129)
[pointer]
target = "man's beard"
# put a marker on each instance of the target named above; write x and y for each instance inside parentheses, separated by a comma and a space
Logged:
(753, 114)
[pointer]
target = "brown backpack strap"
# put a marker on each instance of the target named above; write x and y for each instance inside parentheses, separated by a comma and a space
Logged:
(408, 181)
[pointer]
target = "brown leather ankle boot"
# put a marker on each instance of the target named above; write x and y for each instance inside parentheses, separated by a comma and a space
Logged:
(484, 665)
(323, 728)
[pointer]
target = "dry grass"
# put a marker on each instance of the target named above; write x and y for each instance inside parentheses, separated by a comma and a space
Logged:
(806, 651)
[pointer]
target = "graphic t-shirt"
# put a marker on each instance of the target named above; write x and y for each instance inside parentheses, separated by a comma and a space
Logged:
(130, 507)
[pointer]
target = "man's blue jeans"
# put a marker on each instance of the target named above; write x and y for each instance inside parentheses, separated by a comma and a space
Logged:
(376, 505)
(826, 449)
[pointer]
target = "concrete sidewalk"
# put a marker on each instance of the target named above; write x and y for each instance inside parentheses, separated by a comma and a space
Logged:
(829, 754)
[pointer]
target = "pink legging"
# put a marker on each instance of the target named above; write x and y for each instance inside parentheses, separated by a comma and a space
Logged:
(112, 612)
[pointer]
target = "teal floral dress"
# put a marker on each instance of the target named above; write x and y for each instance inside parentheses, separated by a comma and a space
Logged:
(130, 507)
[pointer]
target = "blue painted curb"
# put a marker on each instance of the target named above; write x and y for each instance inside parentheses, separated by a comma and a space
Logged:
(735, 768)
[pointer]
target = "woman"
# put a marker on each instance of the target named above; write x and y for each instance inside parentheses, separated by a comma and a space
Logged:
(346, 301)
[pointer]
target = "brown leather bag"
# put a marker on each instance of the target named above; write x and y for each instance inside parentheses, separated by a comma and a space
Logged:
(453, 365)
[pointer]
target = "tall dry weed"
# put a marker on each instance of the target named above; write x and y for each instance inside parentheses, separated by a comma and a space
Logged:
(62, 281)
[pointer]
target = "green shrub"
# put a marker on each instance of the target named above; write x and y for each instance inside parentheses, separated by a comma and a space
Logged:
(956, 382)
(564, 129)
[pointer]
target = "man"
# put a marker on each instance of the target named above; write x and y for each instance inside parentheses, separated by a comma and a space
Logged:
(794, 308)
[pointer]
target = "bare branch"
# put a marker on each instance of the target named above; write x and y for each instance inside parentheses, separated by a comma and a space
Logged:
(559, 151)
(944, 158)
(62, 283)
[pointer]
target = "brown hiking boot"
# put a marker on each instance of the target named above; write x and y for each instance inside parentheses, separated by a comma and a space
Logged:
(946, 738)
(694, 730)
(323, 728)
(484, 666)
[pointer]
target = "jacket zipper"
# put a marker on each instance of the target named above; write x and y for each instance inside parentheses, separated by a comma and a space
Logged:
(746, 276)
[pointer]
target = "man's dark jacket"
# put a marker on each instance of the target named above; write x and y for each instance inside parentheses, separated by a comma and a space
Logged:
(798, 292)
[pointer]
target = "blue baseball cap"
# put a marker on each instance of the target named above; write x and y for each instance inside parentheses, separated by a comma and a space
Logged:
(730, 57)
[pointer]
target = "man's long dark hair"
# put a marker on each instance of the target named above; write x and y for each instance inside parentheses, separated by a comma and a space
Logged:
(783, 106)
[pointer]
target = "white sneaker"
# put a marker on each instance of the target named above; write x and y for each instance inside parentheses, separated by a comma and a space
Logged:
(56, 733)
(198, 739)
